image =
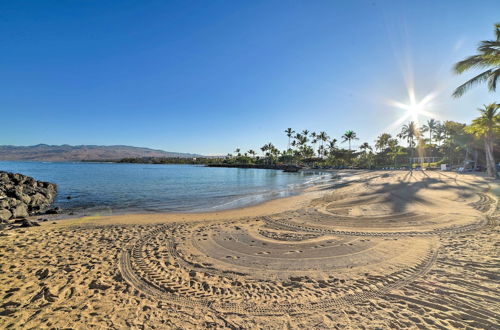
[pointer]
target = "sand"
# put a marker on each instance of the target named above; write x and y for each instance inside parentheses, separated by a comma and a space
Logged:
(373, 250)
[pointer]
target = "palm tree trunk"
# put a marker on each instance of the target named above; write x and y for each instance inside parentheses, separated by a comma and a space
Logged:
(490, 158)
(412, 154)
(475, 157)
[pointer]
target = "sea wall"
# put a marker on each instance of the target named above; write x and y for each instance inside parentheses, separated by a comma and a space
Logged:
(21, 195)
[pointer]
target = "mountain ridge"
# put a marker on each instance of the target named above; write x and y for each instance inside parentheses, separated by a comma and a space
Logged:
(66, 152)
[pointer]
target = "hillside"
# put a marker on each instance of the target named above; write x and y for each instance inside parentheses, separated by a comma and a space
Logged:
(44, 152)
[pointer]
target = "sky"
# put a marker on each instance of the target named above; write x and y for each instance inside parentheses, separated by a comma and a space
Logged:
(210, 76)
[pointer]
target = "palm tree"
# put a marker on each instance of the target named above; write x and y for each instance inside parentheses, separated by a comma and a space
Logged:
(488, 57)
(487, 127)
(365, 146)
(394, 150)
(273, 151)
(251, 152)
(269, 150)
(382, 141)
(289, 132)
(321, 151)
(314, 139)
(430, 127)
(332, 146)
(264, 148)
(237, 151)
(301, 139)
(348, 136)
(439, 133)
(409, 132)
(323, 137)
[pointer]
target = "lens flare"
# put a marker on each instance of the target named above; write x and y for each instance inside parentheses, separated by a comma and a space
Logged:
(414, 109)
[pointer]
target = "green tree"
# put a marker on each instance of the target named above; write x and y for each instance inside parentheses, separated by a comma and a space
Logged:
(289, 132)
(366, 153)
(321, 151)
(430, 126)
(487, 127)
(269, 151)
(323, 137)
(332, 146)
(382, 141)
(395, 150)
(410, 132)
(314, 139)
(349, 136)
(264, 149)
(488, 57)
(365, 146)
(451, 146)
(439, 133)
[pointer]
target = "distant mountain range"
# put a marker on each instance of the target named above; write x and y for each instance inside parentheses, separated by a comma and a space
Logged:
(44, 152)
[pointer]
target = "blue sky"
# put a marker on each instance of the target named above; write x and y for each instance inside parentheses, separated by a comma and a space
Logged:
(209, 76)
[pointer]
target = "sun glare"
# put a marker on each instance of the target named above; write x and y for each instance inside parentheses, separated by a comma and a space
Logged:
(414, 109)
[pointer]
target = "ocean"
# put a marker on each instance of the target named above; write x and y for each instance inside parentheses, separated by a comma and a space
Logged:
(109, 188)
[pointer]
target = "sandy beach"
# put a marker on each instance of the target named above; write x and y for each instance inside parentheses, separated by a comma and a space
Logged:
(373, 250)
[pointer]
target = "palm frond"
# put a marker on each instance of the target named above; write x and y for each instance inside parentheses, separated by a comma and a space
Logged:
(489, 46)
(474, 61)
(471, 82)
(492, 80)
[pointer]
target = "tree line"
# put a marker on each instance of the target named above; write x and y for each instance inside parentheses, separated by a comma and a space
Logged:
(448, 142)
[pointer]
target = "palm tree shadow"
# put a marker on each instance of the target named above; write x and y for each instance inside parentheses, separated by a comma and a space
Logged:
(405, 192)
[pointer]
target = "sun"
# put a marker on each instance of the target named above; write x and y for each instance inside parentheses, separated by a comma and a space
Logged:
(414, 109)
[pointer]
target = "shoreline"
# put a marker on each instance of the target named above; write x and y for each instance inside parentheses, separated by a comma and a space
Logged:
(295, 194)
(151, 199)
(264, 208)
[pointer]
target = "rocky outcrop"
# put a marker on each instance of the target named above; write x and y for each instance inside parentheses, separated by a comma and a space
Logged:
(21, 195)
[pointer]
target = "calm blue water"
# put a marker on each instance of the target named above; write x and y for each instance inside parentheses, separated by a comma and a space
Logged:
(106, 187)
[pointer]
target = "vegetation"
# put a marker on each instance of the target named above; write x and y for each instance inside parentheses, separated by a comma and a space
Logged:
(430, 145)
(349, 136)
(488, 57)
(487, 127)
(163, 160)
